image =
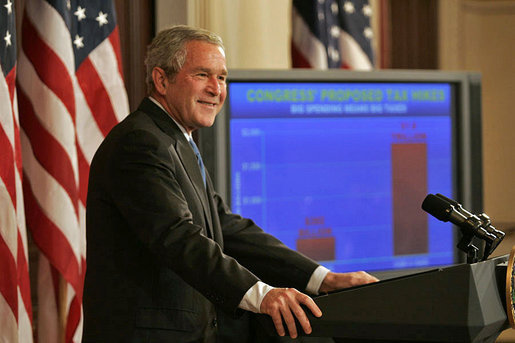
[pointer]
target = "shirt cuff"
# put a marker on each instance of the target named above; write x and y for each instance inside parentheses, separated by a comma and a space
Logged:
(252, 299)
(254, 296)
(316, 280)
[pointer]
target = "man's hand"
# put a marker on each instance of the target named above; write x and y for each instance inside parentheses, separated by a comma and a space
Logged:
(284, 303)
(335, 281)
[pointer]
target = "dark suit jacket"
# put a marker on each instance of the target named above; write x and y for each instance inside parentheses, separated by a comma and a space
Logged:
(165, 254)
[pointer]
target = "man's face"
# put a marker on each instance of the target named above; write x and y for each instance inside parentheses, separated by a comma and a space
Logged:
(198, 92)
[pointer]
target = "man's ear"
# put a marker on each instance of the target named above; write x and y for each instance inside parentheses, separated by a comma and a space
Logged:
(160, 80)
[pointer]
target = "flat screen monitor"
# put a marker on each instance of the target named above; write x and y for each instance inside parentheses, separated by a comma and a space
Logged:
(336, 164)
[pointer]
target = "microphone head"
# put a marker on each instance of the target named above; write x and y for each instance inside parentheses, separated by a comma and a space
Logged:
(450, 201)
(437, 207)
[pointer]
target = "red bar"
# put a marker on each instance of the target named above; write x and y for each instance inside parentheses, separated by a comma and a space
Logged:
(319, 249)
(409, 187)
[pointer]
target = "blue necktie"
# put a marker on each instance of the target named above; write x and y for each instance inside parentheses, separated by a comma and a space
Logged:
(199, 160)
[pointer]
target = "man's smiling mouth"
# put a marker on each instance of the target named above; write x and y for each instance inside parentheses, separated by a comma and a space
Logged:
(213, 104)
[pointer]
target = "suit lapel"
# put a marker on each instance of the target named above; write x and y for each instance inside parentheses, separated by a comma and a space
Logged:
(216, 228)
(189, 161)
(185, 152)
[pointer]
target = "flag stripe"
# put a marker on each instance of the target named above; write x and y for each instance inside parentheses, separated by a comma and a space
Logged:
(47, 150)
(17, 147)
(8, 324)
(114, 38)
(89, 135)
(7, 224)
(23, 277)
(307, 44)
(8, 285)
(354, 57)
(96, 96)
(83, 177)
(10, 79)
(6, 109)
(51, 240)
(74, 317)
(50, 201)
(41, 57)
(50, 110)
(298, 57)
(6, 166)
(7, 136)
(104, 59)
(24, 294)
(25, 334)
(53, 30)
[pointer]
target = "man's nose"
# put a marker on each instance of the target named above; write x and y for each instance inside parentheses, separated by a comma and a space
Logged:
(213, 86)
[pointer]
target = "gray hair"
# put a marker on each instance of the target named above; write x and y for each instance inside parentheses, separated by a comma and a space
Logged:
(167, 50)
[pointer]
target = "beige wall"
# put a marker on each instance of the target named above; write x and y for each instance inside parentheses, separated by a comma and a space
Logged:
(256, 34)
(480, 35)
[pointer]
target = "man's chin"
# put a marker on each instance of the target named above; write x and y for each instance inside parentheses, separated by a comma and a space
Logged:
(207, 123)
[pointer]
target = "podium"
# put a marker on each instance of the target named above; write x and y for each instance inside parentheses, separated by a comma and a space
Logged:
(459, 303)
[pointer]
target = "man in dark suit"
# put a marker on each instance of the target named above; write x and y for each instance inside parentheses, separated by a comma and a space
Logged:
(165, 254)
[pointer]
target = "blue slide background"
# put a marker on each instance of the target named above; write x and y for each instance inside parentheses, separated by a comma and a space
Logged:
(330, 174)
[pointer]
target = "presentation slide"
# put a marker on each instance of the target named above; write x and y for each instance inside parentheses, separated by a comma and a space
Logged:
(339, 171)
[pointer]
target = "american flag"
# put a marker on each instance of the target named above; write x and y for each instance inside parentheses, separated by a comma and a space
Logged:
(15, 302)
(71, 93)
(332, 34)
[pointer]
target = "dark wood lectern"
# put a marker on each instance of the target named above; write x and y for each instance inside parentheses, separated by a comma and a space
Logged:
(461, 303)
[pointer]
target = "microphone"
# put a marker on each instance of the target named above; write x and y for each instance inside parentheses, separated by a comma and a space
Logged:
(485, 220)
(449, 210)
(444, 210)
